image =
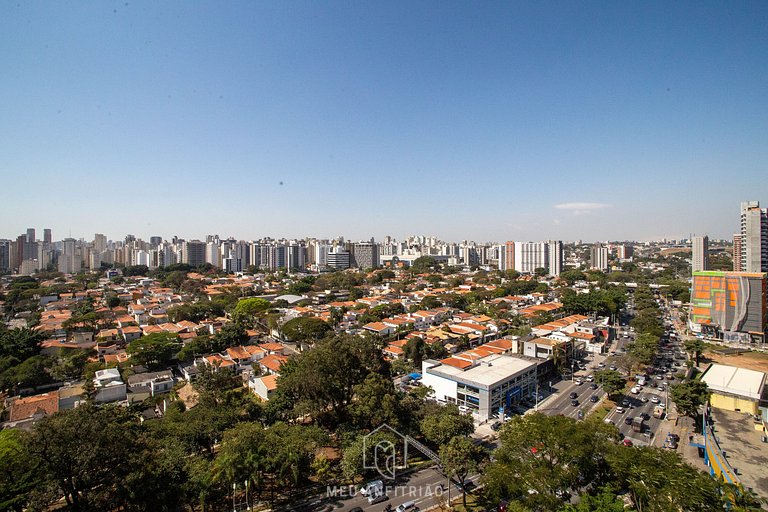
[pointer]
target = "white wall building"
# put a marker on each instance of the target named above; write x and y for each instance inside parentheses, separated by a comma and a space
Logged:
(483, 387)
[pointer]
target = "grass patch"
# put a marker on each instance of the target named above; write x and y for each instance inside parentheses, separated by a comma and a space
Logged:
(472, 504)
(601, 412)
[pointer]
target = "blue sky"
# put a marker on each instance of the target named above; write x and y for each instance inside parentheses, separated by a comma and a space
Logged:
(466, 120)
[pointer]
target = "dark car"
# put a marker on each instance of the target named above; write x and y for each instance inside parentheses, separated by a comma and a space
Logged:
(574, 402)
(356, 509)
(573, 395)
(628, 420)
(593, 385)
(378, 499)
(593, 398)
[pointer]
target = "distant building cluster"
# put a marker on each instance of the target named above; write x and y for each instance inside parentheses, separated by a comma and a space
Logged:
(27, 255)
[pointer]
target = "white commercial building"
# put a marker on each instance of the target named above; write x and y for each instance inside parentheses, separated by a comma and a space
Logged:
(484, 386)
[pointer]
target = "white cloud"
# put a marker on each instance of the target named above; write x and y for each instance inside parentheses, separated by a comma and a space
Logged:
(581, 206)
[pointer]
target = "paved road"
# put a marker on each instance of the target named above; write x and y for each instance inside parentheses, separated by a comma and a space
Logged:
(427, 487)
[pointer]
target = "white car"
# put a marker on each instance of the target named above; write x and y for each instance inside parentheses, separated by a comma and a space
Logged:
(374, 487)
(620, 409)
(635, 390)
(655, 399)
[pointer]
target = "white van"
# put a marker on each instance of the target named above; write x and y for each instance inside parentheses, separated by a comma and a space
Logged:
(408, 505)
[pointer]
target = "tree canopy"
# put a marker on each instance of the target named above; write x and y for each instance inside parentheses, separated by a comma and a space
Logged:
(156, 350)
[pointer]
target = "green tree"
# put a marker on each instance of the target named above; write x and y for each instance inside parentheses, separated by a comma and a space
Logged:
(248, 310)
(644, 348)
(19, 343)
(611, 381)
(424, 264)
(541, 457)
(155, 350)
(460, 457)
(230, 335)
(695, 347)
(444, 423)
(430, 302)
(306, 329)
(375, 402)
(243, 456)
(87, 453)
(18, 472)
(321, 382)
(659, 480)
(689, 396)
(605, 500)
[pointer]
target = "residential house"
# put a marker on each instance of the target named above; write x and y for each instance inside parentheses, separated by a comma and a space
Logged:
(109, 386)
(264, 386)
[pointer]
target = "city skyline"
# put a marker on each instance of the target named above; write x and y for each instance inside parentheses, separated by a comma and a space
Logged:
(501, 122)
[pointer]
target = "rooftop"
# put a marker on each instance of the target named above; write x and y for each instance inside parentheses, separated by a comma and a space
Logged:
(737, 381)
(488, 372)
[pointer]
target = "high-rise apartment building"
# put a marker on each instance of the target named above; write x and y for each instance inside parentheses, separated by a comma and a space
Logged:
(5, 255)
(700, 254)
(99, 243)
(30, 235)
(754, 237)
(338, 258)
(529, 256)
(193, 253)
(555, 264)
(507, 256)
(69, 259)
(47, 238)
(364, 255)
(737, 247)
(625, 251)
(599, 257)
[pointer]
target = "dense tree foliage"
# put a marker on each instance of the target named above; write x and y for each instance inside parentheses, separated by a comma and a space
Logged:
(321, 382)
(155, 350)
(611, 381)
(601, 302)
(306, 329)
(543, 460)
(689, 396)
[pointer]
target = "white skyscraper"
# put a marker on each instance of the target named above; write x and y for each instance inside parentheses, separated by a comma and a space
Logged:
(754, 237)
(599, 257)
(700, 254)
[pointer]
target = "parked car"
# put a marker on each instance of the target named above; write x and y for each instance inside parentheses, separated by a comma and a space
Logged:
(593, 385)
(573, 395)
(593, 399)
(574, 402)
(408, 505)
(620, 409)
(627, 442)
(628, 420)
